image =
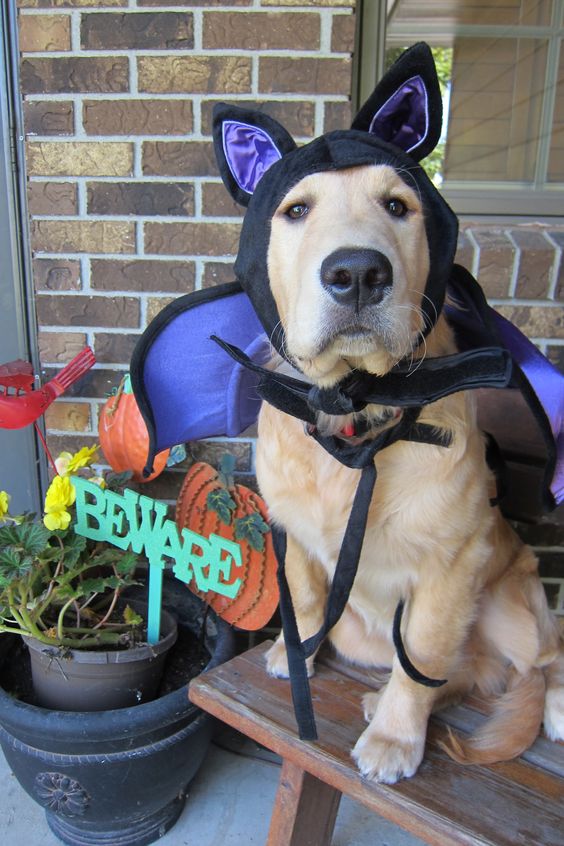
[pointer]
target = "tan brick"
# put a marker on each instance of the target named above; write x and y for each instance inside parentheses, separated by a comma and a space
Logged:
(141, 198)
(212, 451)
(195, 2)
(81, 310)
(212, 239)
(75, 75)
(68, 416)
(137, 31)
(79, 158)
(155, 305)
(464, 251)
(83, 236)
(337, 116)
(114, 347)
(284, 74)
(194, 74)
(56, 274)
(60, 347)
(137, 117)
(555, 354)
(41, 33)
(320, 3)
(496, 261)
(217, 272)
(52, 198)
(142, 275)
(179, 158)
(49, 118)
(298, 117)
(535, 321)
(261, 31)
(535, 264)
(68, 4)
(342, 34)
(217, 202)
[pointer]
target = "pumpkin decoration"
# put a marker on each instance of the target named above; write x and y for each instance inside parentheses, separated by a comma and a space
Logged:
(123, 435)
(211, 502)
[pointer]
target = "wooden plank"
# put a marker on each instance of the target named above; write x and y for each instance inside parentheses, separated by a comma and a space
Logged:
(444, 803)
(305, 810)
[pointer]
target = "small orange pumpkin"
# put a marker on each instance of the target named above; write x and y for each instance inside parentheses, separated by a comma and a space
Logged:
(123, 435)
(210, 502)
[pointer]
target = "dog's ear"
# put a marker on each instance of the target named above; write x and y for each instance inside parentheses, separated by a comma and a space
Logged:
(246, 143)
(405, 108)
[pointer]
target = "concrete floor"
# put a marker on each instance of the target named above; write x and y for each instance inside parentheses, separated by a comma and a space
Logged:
(229, 804)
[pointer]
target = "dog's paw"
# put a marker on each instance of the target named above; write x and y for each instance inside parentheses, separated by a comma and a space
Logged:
(277, 662)
(554, 713)
(370, 703)
(384, 759)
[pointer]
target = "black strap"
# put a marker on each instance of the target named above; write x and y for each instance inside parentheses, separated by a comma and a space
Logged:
(299, 682)
(403, 657)
(405, 386)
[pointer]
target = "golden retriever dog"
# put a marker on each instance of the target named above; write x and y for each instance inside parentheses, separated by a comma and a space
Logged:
(345, 257)
(476, 610)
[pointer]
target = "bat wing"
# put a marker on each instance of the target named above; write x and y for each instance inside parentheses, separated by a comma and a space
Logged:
(185, 385)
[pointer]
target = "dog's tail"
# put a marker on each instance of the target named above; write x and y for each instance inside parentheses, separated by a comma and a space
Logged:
(512, 727)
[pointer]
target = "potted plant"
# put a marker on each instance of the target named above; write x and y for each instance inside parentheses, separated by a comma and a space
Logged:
(117, 775)
(63, 594)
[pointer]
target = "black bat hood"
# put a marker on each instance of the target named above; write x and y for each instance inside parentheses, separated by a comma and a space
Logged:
(398, 125)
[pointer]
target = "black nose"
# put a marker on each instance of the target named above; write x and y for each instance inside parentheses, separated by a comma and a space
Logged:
(356, 277)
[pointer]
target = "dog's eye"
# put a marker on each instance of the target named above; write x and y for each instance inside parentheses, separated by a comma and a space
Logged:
(396, 208)
(296, 211)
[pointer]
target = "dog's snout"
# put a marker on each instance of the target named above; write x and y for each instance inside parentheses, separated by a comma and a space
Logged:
(356, 277)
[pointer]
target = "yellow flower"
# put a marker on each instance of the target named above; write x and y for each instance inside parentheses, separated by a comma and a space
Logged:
(68, 464)
(62, 463)
(57, 519)
(60, 495)
(98, 480)
(4, 504)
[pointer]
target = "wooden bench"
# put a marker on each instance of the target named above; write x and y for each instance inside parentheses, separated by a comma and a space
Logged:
(518, 803)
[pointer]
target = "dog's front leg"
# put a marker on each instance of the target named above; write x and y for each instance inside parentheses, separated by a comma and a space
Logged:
(308, 587)
(438, 619)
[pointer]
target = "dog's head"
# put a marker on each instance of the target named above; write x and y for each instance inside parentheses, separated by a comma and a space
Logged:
(346, 246)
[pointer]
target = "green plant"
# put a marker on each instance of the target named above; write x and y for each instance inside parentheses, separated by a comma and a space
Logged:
(57, 586)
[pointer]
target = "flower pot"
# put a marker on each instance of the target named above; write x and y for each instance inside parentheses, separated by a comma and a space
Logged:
(116, 777)
(99, 680)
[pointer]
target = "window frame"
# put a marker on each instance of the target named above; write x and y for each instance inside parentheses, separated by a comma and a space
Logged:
(516, 199)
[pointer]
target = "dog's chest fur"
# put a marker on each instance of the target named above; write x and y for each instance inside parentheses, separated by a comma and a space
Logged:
(310, 494)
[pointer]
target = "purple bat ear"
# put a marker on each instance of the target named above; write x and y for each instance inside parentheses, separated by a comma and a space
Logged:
(405, 108)
(247, 143)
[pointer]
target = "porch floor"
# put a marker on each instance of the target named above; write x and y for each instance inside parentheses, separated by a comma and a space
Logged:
(229, 804)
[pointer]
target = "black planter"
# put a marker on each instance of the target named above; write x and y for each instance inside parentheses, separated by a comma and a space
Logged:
(118, 777)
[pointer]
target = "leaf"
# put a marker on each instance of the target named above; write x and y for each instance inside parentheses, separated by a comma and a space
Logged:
(126, 564)
(131, 617)
(117, 481)
(100, 585)
(34, 538)
(251, 528)
(221, 501)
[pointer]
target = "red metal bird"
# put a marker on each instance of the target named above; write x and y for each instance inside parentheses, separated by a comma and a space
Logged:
(20, 404)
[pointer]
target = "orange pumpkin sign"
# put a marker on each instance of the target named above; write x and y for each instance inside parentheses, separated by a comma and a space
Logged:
(124, 438)
(211, 503)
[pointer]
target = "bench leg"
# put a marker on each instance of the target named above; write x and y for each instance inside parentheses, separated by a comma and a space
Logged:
(305, 810)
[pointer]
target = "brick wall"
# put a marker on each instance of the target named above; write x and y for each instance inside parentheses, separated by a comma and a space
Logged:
(127, 207)
(128, 210)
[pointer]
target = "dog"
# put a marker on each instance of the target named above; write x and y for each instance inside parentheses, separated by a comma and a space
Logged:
(346, 259)
(344, 254)
(477, 610)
